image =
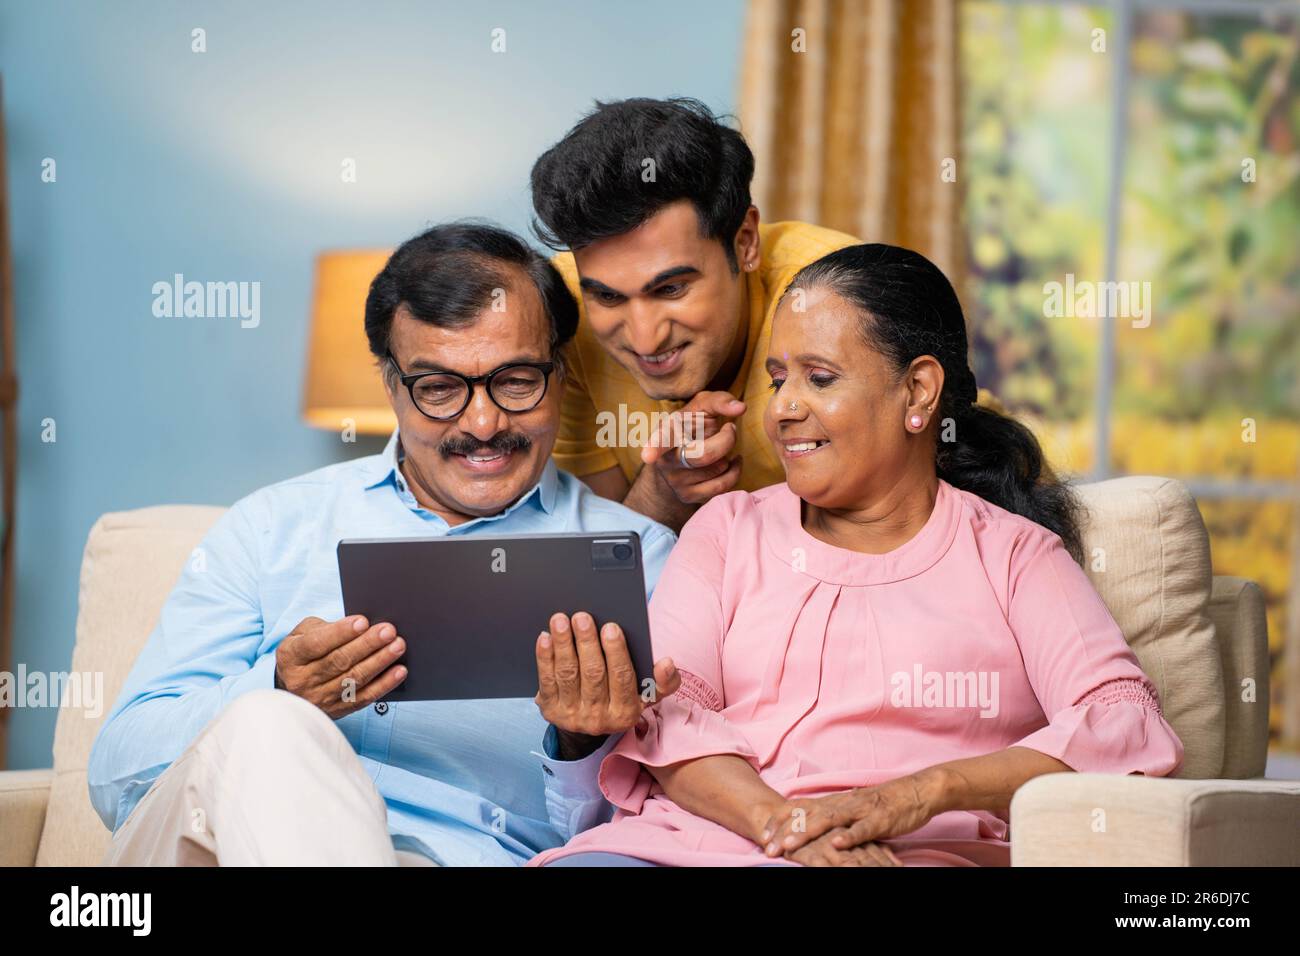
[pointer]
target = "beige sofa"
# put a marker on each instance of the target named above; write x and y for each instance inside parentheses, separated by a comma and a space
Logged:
(1201, 639)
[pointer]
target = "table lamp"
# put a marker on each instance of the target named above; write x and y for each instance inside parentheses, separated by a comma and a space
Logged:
(343, 386)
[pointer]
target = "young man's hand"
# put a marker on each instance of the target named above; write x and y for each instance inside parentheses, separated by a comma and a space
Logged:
(683, 471)
(340, 666)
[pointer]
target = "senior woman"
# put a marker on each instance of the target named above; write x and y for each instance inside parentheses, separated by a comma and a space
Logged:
(876, 654)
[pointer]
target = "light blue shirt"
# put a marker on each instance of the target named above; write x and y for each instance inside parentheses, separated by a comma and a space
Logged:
(463, 781)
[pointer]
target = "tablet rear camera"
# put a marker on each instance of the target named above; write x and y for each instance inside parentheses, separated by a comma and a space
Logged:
(613, 554)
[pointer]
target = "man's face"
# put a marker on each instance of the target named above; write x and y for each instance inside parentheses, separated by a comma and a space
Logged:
(479, 463)
(664, 302)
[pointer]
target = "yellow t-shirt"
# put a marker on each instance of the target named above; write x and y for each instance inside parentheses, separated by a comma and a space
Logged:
(598, 384)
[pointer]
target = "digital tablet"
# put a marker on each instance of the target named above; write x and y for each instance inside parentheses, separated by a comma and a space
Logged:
(471, 608)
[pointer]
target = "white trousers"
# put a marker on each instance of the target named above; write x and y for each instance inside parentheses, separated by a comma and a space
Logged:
(271, 781)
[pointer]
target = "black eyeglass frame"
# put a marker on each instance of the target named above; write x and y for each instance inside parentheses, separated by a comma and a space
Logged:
(546, 368)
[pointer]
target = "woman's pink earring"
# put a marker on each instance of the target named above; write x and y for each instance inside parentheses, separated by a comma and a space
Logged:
(916, 421)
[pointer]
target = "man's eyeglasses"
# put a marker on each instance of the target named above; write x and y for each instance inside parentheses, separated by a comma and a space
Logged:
(445, 395)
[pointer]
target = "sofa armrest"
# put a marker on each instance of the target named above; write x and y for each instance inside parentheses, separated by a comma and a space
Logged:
(1095, 819)
(1241, 627)
(24, 795)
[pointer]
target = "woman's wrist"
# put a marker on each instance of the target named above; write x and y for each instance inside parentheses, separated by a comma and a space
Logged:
(761, 817)
(939, 789)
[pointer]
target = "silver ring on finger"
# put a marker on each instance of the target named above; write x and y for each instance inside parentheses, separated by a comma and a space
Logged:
(681, 457)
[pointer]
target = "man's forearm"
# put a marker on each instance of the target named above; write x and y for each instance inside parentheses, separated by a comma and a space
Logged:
(723, 788)
(987, 782)
(651, 496)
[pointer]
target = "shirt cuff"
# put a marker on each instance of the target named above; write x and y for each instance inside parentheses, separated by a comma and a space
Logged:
(572, 777)
(1117, 728)
(573, 799)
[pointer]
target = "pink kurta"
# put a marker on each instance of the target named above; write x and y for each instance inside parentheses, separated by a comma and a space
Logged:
(829, 669)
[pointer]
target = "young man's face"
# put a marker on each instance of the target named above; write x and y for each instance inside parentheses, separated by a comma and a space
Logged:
(665, 303)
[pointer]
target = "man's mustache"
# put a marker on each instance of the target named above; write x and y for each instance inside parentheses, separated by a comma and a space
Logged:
(504, 443)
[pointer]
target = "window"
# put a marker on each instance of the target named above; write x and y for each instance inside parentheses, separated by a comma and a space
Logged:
(1148, 153)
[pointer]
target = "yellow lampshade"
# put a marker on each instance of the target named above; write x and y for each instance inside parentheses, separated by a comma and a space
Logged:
(343, 384)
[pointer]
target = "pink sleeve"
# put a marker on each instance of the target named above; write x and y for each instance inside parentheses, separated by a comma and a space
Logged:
(687, 624)
(1103, 712)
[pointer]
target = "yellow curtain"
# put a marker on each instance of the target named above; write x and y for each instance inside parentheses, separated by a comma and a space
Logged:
(851, 108)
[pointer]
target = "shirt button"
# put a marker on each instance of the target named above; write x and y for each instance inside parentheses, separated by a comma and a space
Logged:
(546, 769)
(381, 707)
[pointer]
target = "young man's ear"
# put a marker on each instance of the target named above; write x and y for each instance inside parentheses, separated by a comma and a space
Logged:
(746, 245)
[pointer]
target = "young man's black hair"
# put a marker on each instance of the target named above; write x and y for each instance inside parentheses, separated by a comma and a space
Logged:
(626, 160)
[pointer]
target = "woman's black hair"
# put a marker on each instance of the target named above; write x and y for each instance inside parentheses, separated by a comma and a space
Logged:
(448, 275)
(909, 309)
(626, 160)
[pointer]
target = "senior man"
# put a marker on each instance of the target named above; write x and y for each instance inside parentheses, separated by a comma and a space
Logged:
(251, 730)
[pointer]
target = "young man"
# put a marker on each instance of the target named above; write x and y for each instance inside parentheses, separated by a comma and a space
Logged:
(250, 730)
(677, 284)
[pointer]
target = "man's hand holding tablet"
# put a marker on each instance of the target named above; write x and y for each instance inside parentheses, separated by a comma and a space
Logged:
(587, 685)
(340, 666)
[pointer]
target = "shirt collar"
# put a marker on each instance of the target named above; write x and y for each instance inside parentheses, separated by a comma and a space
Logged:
(383, 469)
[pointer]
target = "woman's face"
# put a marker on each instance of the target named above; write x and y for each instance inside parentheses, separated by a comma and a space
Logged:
(845, 442)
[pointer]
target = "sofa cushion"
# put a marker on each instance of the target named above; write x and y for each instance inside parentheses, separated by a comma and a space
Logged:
(131, 562)
(1148, 554)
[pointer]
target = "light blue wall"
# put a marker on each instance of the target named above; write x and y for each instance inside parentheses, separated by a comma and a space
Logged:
(225, 166)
